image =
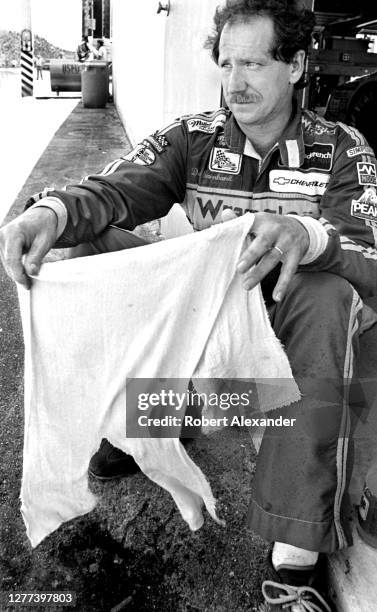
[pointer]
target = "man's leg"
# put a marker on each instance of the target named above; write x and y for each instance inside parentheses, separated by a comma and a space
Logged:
(112, 239)
(300, 486)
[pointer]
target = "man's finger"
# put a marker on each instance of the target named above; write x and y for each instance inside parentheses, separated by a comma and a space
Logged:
(288, 269)
(17, 274)
(33, 259)
(254, 275)
(260, 247)
(12, 259)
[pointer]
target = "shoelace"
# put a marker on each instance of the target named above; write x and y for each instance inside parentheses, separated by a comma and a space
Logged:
(291, 596)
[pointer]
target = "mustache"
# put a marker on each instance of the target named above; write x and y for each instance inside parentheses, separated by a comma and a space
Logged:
(242, 98)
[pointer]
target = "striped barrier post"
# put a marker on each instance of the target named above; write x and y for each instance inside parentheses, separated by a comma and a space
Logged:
(27, 73)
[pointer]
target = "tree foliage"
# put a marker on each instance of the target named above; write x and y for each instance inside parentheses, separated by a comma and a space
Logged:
(10, 48)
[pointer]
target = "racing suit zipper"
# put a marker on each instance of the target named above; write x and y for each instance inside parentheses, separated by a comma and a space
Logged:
(263, 163)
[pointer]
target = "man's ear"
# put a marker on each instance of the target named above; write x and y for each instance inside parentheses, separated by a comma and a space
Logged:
(297, 66)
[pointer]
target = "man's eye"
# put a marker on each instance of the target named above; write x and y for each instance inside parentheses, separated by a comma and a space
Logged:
(251, 64)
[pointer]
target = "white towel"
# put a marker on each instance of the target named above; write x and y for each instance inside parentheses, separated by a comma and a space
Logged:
(173, 309)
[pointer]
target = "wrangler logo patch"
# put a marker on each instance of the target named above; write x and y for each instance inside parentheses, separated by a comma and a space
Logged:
(308, 183)
(367, 173)
(223, 160)
(317, 127)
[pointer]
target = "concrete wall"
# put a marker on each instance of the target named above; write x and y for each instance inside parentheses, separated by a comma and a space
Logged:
(191, 79)
(160, 67)
(138, 65)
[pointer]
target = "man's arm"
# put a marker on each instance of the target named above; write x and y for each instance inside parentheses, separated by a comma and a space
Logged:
(138, 188)
(349, 219)
(349, 215)
(350, 259)
(132, 190)
(25, 241)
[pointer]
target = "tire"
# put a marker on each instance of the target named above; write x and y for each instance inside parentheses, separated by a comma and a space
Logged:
(362, 113)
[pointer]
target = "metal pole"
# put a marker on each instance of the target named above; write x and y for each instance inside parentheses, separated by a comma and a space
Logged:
(91, 8)
(308, 4)
(27, 58)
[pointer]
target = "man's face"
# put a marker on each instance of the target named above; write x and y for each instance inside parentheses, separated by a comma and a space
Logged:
(257, 88)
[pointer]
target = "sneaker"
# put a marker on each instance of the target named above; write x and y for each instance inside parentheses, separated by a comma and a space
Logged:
(296, 590)
(110, 462)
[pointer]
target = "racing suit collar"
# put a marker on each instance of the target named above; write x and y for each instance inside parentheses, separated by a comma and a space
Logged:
(291, 143)
(234, 136)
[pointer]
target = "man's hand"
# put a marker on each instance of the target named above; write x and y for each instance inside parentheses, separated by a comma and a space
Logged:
(32, 234)
(275, 238)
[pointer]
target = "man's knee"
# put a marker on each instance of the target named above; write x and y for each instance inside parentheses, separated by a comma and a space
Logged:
(321, 291)
(112, 239)
(315, 322)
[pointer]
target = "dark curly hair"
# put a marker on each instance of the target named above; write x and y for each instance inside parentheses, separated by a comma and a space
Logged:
(293, 26)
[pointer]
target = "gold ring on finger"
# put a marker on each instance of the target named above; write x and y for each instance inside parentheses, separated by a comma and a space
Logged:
(278, 250)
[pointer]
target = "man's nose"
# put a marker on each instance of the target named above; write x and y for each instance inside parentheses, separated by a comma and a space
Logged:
(236, 81)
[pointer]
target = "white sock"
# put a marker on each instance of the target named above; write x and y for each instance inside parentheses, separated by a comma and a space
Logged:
(287, 555)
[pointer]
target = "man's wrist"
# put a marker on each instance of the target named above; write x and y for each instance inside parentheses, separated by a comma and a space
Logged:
(318, 238)
(59, 209)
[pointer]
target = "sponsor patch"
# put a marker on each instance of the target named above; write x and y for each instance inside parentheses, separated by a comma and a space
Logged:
(205, 208)
(159, 142)
(312, 127)
(199, 125)
(308, 183)
(223, 160)
(319, 156)
(367, 173)
(221, 141)
(141, 155)
(360, 151)
(364, 210)
(369, 195)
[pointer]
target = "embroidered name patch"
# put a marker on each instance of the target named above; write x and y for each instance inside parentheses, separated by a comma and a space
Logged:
(223, 160)
(308, 183)
(367, 173)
